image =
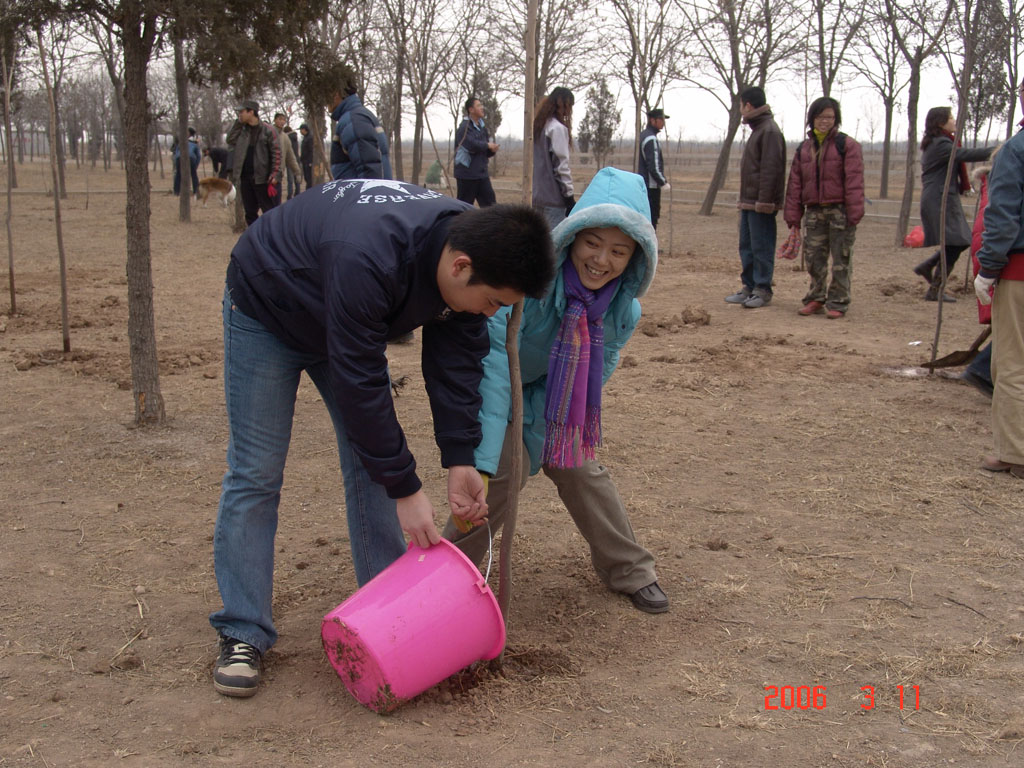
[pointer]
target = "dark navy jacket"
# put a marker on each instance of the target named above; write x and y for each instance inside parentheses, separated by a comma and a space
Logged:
(340, 270)
(359, 147)
(473, 139)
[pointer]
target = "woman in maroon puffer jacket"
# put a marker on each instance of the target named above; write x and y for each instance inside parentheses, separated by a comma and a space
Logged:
(826, 191)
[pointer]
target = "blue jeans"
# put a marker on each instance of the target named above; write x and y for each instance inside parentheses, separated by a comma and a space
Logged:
(757, 249)
(554, 214)
(261, 377)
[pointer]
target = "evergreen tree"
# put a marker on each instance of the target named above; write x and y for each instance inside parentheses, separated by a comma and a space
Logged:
(599, 123)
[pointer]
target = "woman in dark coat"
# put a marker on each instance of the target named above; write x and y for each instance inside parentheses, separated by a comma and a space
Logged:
(939, 127)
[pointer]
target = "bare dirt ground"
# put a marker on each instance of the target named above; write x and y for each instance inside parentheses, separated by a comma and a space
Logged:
(818, 520)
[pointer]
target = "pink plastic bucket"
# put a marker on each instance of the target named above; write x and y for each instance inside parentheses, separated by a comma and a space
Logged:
(422, 619)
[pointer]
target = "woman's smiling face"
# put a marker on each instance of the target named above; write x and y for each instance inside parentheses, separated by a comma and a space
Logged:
(600, 255)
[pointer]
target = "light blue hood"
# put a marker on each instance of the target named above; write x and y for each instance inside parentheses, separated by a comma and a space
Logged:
(615, 198)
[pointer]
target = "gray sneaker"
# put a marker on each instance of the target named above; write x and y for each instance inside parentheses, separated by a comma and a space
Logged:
(739, 297)
(237, 671)
(759, 298)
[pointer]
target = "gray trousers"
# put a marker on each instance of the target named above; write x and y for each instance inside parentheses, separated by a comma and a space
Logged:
(595, 506)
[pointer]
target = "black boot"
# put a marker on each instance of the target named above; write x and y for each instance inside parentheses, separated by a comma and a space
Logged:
(932, 294)
(927, 267)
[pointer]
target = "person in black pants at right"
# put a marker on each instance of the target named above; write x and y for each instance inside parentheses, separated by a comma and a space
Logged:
(939, 127)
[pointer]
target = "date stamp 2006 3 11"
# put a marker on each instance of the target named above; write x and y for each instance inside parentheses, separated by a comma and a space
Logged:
(807, 697)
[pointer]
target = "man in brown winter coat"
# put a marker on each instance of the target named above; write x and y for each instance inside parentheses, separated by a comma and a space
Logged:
(762, 194)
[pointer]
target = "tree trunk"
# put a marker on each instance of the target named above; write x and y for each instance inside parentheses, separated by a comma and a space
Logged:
(58, 147)
(883, 187)
(722, 166)
(11, 182)
(417, 146)
(397, 166)
(913, 93)
(62, 263)
(149, 402)
(184, 155)
(8, 75)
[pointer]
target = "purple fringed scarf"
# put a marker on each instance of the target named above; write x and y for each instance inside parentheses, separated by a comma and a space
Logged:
(575, 367)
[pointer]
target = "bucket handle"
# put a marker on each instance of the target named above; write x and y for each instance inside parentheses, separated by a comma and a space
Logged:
(490, 551)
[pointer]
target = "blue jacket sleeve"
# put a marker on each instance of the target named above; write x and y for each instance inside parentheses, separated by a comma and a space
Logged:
(453, 351)
(357, 299)
(362, 147)
(1005, 210)
(497, 396)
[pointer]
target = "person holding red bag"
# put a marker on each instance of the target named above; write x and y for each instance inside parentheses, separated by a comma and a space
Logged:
(257, 160)
(826, 192)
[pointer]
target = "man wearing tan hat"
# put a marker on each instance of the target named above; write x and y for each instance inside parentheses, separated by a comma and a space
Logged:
(650, 164)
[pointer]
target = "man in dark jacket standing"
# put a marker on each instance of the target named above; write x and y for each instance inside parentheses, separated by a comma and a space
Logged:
(306, 155)
(321, 285)
(762, 194)
(473, 150)
(650, 164)
(359, 147)
(256, 160)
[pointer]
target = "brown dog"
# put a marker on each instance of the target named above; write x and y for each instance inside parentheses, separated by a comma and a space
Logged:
(215, 187)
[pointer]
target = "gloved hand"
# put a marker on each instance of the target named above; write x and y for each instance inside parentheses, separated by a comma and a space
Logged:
(271, 190)
(570, 202)
(982, 287)
(667, 187)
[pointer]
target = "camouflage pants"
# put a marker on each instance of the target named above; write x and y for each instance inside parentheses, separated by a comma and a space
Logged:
(827, 233)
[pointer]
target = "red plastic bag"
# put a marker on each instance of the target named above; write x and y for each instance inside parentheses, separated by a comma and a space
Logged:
(791, 248)
(915, 239)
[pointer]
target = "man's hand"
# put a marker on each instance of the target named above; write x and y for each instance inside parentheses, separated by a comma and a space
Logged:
(467, 493)
(666, 187)
(983, 287)
(271, 190)
(492, 146)
(416, 516)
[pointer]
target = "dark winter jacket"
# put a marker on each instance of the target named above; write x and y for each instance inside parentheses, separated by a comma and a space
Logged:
(340, 270)
(359, 148)
(650, 165)
(824, 176)
(934, 160)
(306, 151)
(1002, 249)
(763, 167)
(266, 155)
(474, 139)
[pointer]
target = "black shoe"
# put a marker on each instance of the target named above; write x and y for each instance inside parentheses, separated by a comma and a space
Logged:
(932, 294)
(237, 669)
(925, 269)
(650, 599)
(978, 382)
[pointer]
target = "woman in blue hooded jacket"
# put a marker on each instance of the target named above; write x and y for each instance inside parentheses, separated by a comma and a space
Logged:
(569, 345)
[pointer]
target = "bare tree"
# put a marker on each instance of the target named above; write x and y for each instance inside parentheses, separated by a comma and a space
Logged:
(61, 261)
(570, 46)
(396, 12)
(432, 48)
(737, 44)
(836, 24)
(599, 123)
(651, 50)
(917, 29)
(135, 28)
(878, 61)
(1012, 56)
